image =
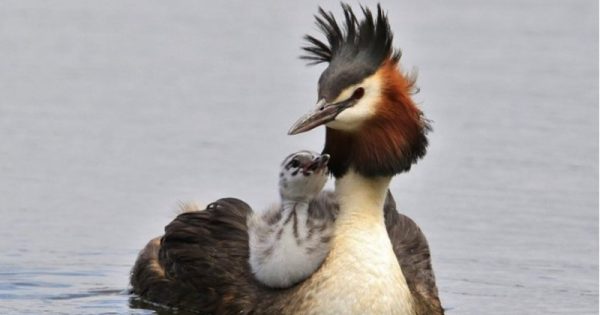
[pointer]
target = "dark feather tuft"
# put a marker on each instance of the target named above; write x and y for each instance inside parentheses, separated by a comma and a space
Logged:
(368, 41)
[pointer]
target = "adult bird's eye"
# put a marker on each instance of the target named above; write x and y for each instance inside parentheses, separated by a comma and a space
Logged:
(358, 93)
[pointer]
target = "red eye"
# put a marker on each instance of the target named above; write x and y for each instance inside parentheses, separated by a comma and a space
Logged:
(358, 93)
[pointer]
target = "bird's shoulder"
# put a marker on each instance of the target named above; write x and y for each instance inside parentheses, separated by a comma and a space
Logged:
(412, 251)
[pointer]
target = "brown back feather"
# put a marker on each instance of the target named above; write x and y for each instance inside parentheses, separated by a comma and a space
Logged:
(412, 251)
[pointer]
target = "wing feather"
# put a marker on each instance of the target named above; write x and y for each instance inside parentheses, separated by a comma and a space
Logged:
(412, 251)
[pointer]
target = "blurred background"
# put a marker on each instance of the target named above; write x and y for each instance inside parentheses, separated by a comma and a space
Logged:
(113, 112)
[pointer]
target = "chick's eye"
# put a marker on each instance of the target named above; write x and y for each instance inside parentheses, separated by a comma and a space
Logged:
(358, 93)
(294, 163)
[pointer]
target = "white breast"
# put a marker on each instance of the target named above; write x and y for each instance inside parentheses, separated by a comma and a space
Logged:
(361, 275)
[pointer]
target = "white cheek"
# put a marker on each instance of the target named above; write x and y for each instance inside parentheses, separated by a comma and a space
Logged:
(351, 118)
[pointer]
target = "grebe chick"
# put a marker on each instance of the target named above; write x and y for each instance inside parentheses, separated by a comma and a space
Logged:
(290, 240)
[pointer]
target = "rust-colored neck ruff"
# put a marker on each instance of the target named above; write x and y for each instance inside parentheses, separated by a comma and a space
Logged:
(389, 142)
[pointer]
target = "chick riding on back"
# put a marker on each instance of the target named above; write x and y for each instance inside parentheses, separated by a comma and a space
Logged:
(290, 240)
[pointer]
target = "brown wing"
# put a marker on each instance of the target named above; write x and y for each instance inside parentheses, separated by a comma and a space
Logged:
(412, 250)
(149, 281)
(201, 263)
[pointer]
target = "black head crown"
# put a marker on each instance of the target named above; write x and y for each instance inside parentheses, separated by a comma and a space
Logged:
(354, 51)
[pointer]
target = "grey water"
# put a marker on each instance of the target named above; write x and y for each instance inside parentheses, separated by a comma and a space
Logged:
(113, 112)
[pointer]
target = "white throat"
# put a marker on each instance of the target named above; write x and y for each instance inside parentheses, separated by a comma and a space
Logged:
(361, 198)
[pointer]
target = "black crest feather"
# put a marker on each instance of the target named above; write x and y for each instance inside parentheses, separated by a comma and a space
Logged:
(368, 41)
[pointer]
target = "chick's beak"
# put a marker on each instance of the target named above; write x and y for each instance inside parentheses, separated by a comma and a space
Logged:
(318, 163)
(320, 115)
(323, 159)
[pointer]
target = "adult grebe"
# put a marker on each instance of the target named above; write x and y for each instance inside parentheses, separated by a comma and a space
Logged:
(379, 262)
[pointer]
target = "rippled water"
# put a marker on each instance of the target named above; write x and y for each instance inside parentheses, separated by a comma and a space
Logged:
(113, 112)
